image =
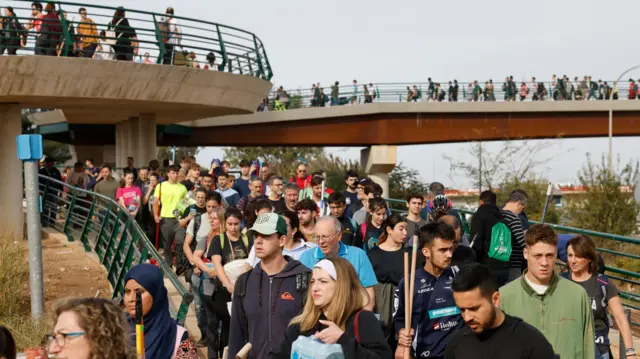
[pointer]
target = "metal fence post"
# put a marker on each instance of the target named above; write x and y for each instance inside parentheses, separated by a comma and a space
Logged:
(36, 283)
(623, 350)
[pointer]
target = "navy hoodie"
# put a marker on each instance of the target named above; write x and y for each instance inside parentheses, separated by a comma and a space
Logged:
(270, 302)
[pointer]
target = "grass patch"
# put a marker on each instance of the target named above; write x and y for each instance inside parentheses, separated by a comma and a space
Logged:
(15, 306)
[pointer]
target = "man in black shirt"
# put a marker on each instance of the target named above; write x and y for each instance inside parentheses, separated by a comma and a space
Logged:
(351, 193)
(490, 333)
(192, 177)
(276, 188)
(50, 196)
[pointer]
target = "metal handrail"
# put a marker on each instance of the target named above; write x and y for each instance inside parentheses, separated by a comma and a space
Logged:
(397, 92)
(119, 242)
(197, 37)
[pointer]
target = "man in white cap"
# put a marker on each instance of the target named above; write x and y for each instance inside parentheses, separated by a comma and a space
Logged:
(270, 294)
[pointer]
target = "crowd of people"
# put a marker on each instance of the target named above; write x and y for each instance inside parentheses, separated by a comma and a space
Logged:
(298, 268)
(118, 40)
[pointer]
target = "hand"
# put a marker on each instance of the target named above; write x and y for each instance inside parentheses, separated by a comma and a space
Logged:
(157, 218)
(214, 165)
(196, 270)
(405, 340)
(229, 288)
(191, 215)
(330, 334)
(252, 168)
(399, 353)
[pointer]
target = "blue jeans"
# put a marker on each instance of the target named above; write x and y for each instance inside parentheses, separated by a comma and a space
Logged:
(198, 300)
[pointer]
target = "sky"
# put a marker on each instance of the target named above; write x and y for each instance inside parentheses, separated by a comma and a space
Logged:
(377, 41)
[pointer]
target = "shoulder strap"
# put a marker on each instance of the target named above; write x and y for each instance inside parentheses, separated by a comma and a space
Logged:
(363, 231)
(245, 239)
(356, 328)
(241, 289)
(179, 333)
(221, 240)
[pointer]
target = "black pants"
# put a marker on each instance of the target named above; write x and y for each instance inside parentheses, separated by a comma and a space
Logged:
(213, 342)
(170, 228)
(168, 55)
(88, 51)
(219, 302)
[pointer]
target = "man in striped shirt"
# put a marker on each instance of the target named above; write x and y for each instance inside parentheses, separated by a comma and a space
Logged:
(510, 215)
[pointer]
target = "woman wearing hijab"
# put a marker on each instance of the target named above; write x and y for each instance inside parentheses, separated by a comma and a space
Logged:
(163, 337)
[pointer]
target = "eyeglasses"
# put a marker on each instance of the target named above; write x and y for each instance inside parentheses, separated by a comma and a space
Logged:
(324, 238)
(61, 339)
(302, 171)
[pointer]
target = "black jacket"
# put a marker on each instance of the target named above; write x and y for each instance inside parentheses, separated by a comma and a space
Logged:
(372, 344)
(482, 222)
(269, 304)
(349, 232)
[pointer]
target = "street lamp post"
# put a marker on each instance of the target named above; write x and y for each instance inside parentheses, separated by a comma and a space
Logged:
(615, 84)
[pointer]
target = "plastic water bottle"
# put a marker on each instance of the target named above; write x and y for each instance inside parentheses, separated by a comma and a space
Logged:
(133, 205)
(312, 348)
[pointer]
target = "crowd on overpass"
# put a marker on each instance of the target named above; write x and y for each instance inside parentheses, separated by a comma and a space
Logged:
(273, 262)
(558, 89)
(117, 40)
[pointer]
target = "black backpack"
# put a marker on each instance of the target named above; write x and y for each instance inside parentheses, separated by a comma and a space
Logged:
(302, 286)
(182, 264)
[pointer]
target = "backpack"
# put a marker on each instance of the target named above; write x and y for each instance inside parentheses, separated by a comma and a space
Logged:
(302, 286)
(244, 237)
(182, 264)
(373, 241)
(500, 245)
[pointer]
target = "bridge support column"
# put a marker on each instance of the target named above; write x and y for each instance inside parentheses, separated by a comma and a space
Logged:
(83, 153)
(12, 218)
(147, 149)
(121, 144)
(131, 127)
(378, 162)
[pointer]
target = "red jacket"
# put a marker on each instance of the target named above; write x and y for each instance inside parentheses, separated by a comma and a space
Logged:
(301, 182)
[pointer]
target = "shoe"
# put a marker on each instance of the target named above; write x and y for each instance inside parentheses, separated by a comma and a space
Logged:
(202, 343)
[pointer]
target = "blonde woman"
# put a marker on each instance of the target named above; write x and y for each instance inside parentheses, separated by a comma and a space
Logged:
(334, 314)
(90, 328)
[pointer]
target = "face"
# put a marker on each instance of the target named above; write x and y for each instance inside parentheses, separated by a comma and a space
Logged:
(214, 220)
(264, 172)
(277, 187)
(305, 216)
(577, 264)
(322, 287)
(78, 169)
(244, 171)
(34, 11)
(153, 180)
(302, 171)
(172, 175)
(130, 290)
(201, 199)
(327, 238)
(439, 253)
(212, 205)
(541, 257)
(143, 174)
(399, 233)
(130, 162)
(256, 188)
(181, 176)
(268, 246)
(74, 346)
(317, 191)
(290, 231)
(206, 182)
(225, 167)
(415, 205)
(352, 182)
(291, 197)
(193, 174)
(379, 216)
(337, 209)
(222, 182)
(128, 179)
(105, 173)
(232, 225)
(7, 12)
(477, 311)
(360, 191)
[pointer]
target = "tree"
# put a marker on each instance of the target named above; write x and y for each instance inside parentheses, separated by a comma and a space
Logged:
(403, 181)
(336, 168)
(167, 153)
(536, 189)
(281, 160)
(605, 207)
(295, 101)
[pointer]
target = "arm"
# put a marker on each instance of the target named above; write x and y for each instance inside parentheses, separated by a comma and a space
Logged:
(589, 347)
(237, 336)
(615, 307)
(372, 343)
(187, 243)
(135, 213)
(372, 299)
(184, 222)
(222, 275)
(145, 199)
(156, 203)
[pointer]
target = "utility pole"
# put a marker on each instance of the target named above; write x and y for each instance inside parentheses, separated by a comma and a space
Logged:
(479, 167)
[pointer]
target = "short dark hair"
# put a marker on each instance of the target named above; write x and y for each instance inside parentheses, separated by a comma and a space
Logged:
(7, 343)
(225, 162)
(173, 168)
(540, 233)
(207, 175)
(374, 188)
(337, 197)
(292, 186)
(37, 5)
(232, 212)
(273, 178)
(223, 174)
(584, 247)
(436, 188)
(244, 163)
(488, 197)
(430, 231)
(80, 10)
(411, 196)
(78, 164)
(294, 222)
(90, 159)
(316, 181)
(472, 276)
(307, 204)
(105, 165)
(350, 174)
(262, 204)
(213, 195)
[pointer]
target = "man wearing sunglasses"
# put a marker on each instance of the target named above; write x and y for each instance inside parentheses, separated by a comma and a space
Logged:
(301, 177)
(87, 35)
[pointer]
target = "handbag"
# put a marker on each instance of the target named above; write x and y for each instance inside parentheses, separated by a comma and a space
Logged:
(110, 35)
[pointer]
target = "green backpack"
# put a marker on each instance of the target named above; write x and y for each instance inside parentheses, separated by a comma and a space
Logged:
(500, 246)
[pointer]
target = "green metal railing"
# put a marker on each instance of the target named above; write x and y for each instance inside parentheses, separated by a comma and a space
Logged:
(622, 275)
(146, 39)
(103, 227)
(400, 92)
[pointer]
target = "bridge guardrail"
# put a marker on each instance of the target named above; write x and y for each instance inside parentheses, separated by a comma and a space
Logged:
(398, 92)
(621, 275)
(105, 228)
(233, 50)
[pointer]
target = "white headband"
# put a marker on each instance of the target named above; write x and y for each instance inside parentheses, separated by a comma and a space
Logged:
(328, 266)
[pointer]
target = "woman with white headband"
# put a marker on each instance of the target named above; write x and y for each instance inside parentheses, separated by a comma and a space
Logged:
(334, 314)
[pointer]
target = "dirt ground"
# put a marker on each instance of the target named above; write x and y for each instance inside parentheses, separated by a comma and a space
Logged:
(70, 272)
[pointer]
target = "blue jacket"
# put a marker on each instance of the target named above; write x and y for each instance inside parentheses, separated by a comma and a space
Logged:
(435, 316)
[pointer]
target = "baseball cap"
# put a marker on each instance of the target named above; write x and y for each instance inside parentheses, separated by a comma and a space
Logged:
(270, 223)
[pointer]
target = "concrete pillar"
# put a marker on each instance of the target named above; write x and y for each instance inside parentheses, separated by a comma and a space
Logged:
(378, 162)
(147, 149)
(12, 218)
(109, 154)
(121, 144)
(131, 127)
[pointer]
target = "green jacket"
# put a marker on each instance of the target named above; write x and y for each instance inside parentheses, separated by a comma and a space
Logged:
(562, 314)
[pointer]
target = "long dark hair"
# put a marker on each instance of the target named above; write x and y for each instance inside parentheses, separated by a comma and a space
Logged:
(584, 247)
(119, 14)
(390, 222)
(374, 205)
